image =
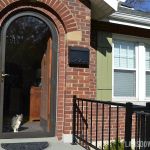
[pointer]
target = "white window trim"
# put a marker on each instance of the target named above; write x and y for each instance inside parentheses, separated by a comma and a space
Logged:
(140, 69)
(141, 72)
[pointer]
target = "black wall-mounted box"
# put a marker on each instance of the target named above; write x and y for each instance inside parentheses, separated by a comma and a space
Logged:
(78, 57)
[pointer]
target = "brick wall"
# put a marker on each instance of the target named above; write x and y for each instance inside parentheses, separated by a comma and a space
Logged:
(68, 16)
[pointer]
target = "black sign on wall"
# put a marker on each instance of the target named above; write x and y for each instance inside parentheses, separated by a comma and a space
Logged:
(78, 57)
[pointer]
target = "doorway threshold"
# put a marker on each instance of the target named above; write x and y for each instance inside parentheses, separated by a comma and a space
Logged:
(21, 140)
(54, 144)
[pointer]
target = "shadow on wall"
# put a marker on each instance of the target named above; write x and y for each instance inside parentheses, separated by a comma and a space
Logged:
(104, 42)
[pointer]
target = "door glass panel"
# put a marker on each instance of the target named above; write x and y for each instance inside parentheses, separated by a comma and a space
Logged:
(26, 43)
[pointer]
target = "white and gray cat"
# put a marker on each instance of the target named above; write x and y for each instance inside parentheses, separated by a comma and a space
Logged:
(16, 121)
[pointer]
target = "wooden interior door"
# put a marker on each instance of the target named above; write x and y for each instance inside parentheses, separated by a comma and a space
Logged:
(46, 87)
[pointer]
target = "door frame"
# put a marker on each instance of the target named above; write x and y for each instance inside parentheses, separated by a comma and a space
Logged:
(53, 82)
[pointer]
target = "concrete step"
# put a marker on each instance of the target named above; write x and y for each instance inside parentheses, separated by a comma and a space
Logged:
(54, 144)
(63, 146)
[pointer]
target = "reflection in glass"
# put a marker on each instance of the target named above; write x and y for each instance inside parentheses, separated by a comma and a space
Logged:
(124, 54)
(26, 43)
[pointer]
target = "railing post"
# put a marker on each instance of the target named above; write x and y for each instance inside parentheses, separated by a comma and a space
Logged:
(148, 126)
(74, 121)
(128, 126)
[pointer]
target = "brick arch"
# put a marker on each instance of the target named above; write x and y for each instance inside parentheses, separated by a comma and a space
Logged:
(58, 6)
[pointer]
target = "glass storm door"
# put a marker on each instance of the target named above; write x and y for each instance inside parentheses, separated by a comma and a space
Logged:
(26, 75)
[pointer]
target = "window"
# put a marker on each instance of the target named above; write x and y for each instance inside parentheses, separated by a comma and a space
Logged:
(124, 69)
(131, 68)
(147, 62)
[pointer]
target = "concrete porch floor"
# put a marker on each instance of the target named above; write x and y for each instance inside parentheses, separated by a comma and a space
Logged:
(54, 144)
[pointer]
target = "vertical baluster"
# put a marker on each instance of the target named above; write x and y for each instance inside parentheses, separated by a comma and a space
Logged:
(109, 126)
(128, 125)
(82, 124)
(139, 120)
(143, 127)
(145, 138)
(96, 122)
(148, 124)
(117, 127)
(74, 120)
(140, 133)
(136, 130)
(87, 123)
(91, 125)
(102, 126)
(78, 121)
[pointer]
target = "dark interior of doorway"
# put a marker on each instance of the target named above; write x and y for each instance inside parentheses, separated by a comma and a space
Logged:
(26, 43)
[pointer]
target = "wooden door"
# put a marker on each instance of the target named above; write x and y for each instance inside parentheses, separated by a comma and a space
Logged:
(46, 87)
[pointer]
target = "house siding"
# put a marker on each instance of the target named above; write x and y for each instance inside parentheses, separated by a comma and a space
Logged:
(104, 66)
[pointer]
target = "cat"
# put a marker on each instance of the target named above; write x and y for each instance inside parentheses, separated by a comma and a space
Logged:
(16, 121)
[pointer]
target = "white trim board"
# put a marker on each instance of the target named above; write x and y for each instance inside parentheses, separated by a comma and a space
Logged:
(129, 19)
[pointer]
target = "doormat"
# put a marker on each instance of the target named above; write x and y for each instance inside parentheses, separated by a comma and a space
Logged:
(25, 146)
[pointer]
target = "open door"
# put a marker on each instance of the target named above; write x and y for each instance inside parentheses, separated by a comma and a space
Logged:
(28, 69)
(46, 87)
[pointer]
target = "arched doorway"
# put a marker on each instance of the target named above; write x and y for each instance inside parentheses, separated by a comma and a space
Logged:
(28, 71)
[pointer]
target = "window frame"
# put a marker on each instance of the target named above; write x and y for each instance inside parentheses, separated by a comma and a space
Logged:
(140, 50)
(146, 70)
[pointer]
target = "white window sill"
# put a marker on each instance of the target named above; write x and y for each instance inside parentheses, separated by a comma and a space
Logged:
(133, 100)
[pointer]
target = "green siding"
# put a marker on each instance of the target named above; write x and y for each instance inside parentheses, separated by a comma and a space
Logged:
(104, 66)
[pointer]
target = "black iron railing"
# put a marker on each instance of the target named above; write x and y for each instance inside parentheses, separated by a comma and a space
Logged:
(97, 123)
(142, 129)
